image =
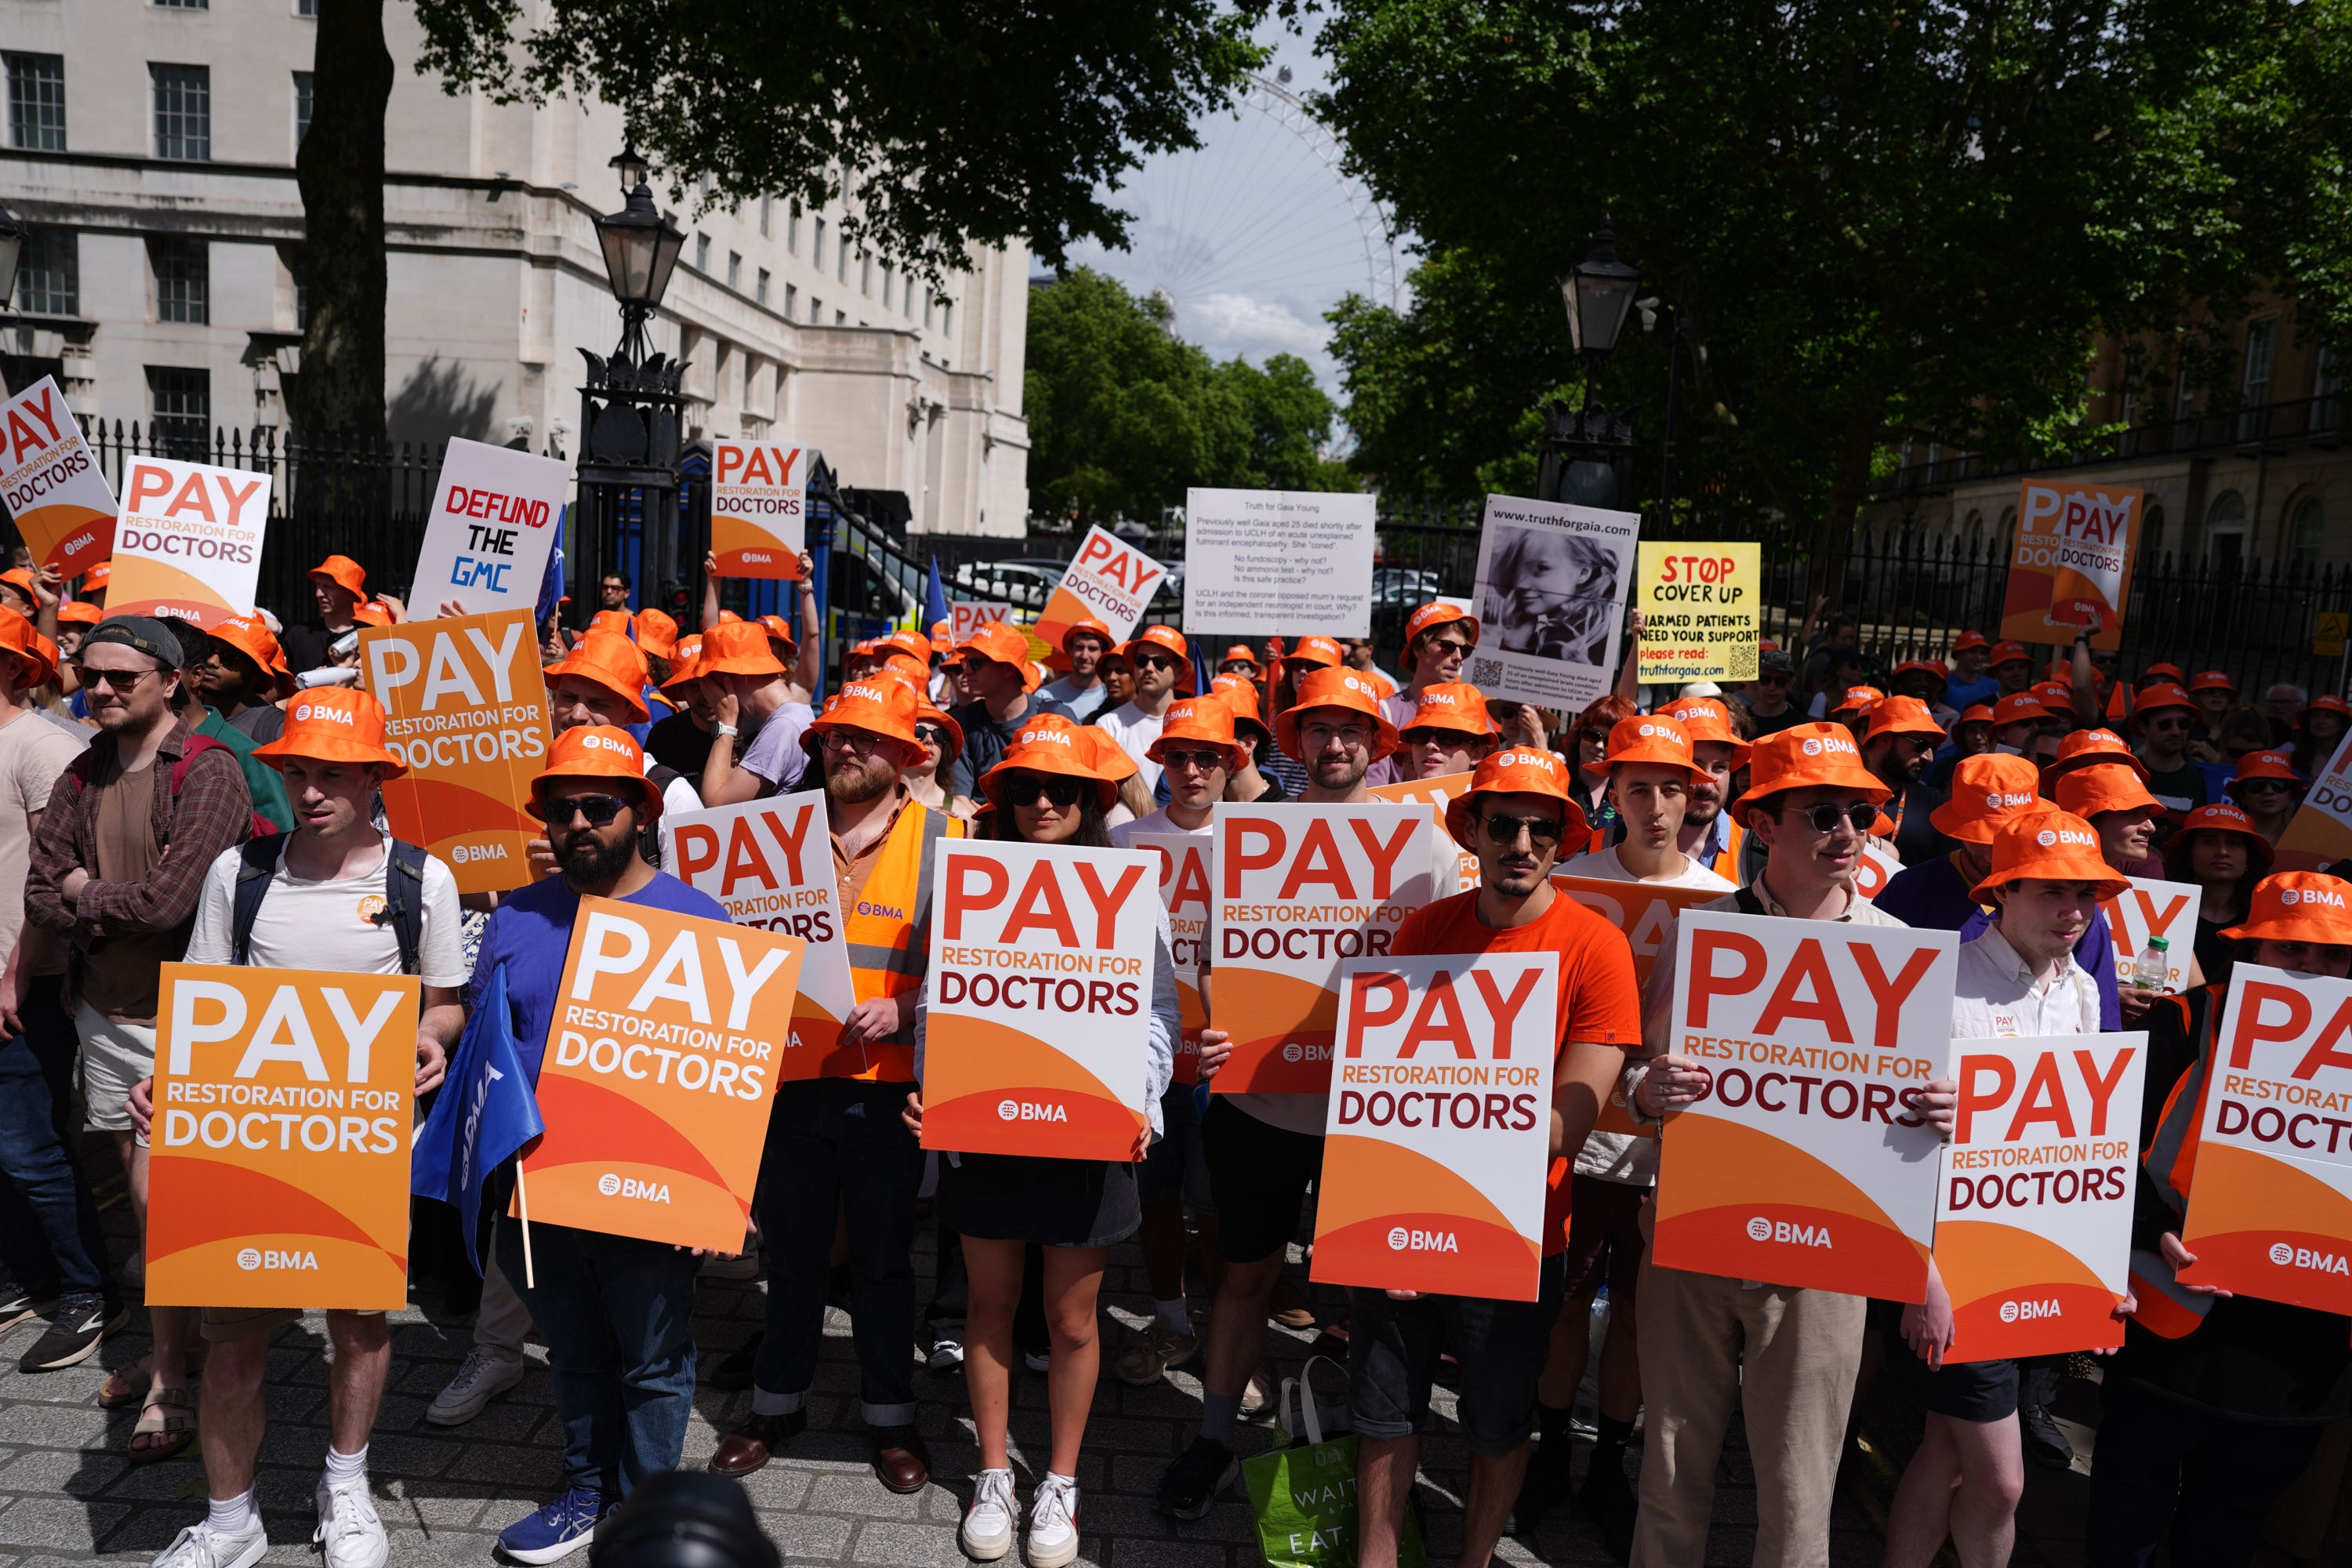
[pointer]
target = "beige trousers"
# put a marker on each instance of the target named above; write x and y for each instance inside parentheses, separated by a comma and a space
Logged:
(1788, 1357)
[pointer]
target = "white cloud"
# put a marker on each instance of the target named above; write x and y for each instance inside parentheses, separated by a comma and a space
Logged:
(1238, 324)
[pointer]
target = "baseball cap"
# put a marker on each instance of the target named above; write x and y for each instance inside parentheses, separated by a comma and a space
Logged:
(334, 724)
(595, 752)
(2051, 846)
(1775, 660)
(1987, 791)
(144, 634)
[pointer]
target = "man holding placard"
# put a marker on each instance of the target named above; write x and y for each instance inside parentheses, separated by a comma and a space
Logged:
(334, 895)
(1514, 816)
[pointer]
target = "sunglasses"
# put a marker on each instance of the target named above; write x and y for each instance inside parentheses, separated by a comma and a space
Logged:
(1157, 661)
(931, 734)
(1179, 761)
(116, 679)
(1425, 736)
(2265, 786)
(1442, 646)
(599, 809)
(1025, 789)
(1781, 681)
(2168, 723)
(1503, 831)
(1825, 818)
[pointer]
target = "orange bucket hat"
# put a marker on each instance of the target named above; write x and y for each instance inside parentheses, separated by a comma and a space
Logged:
(736, 648)
(2335, 705)
(2266, 765)
(1316, 651)
(2055, 695)
(371, 614)
(2212, 680)
(1240, 694)
(1930, 668)
(2223, 817)
(779, 630)
(2092, 749)
(612, 662)
(1085, 624)
(95, 579)
(657, 633)
(2017, 706)
(1807, 756)
(928, 713)
(1240, 653)
(1707, 720)
(2008, 652)
(256, 642)
(2165, 694)
(1049, 744)
(913, 644)
(21, 638)
(595, 752)
(1655, 739)
(1987, 791)
(1859, 700)
(1974, 713)
(685, 662)
(1434, 615)
(1903, 716)
(1516, 770)
(2088, 792)
(2298, 906)
(1335, 688)
(1110, 758)
(78, 613)
(1000, 643)
(1207, 720)
(1450, 705)
(941, 639)
(1968, 641)
(335, 724)
(1159, 639)
(341, 569)
(617, 622)
(2050, 846)
(880, 707)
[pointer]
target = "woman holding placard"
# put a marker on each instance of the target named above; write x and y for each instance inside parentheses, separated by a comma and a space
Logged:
(1048, 789)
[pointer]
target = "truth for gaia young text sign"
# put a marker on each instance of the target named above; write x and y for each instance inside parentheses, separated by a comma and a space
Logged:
(659, 1072)
(1805, 1165)
(1258, 559)
(2034, 1217)
(466, 708)
(771, 863)
(54, 492)
(495, 514)
(759, 493)
(1300, 889)
(187, 544)
(1439, 1126)
(279, 1171)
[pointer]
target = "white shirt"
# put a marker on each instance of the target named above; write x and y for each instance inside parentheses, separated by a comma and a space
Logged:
(1135, 730)
(1603, 866)
(1994, 994)
(1158, 821)
(306, 924)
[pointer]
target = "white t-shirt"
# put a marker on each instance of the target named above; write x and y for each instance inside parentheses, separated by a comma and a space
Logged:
(32, 757)
(1603, 866)
(305, 924)
(1158, 821)
(1135, 730)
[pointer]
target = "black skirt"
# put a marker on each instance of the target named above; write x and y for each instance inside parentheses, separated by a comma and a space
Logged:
(1054, 1203)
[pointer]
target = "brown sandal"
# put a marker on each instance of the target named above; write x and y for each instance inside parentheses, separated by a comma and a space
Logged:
(167, 1415)
(126, 1385)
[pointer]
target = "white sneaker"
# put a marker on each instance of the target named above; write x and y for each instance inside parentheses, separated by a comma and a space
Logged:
(946, 1356)
(1053, 1523)
(987, 1533)
(349, 1535)
(483, 1376)
(1037, 1361)
(202, 1546)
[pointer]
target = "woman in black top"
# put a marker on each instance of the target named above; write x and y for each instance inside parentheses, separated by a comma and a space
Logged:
(2221, 851)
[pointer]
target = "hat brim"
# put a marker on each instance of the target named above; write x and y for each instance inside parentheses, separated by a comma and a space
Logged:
(1853, 776)
(2057, 868)
(2081, 760)
(2329, 933)
(44, 668)
(1576, 828)
(1969, 830)
(1641, 756)
(736, 664)
(332, 748)
(885, 725)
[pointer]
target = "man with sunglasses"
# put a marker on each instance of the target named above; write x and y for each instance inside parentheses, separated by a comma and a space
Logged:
(1787, 1357)
(1766, 697)
(1438, 638)
(994, 667)
(2166, 717)
(1162, 661)
(1897, 746)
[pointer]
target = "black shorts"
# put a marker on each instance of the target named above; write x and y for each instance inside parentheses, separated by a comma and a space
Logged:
(1054, 1203)
(1604, 1239)
(1258, 1175)
(1975, 1391)
(1392, 1354)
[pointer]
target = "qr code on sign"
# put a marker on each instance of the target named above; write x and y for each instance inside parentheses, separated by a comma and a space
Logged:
(1741, 665)
(1486, 672)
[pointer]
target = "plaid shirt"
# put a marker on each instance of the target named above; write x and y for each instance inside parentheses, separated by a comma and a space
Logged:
(212, 812)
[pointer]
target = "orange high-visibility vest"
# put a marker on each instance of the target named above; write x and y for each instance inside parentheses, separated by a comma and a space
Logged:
(889, 928)
(2170, 1162)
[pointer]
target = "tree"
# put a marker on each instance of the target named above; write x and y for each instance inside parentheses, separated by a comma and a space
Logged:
(340, 169)
(1888, 221)
(1124, 416)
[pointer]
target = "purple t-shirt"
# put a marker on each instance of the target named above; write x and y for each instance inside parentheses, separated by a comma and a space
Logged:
(775, 753)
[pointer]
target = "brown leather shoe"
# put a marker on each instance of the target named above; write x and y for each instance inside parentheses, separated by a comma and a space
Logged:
(901, 1462)
(755, 1442)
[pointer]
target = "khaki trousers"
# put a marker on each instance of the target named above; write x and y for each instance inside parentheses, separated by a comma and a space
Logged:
(1788, 1356)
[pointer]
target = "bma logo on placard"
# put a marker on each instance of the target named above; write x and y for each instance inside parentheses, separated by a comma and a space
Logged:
(2028, 1311)
(2287, 1256)
(1293, 1051)
(251, 1258)
(462, 854)
(618, 1186)
(1402, 1239)
(1030, 1110)
(1762, 1229)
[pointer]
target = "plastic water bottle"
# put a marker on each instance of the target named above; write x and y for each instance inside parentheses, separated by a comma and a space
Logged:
(2153, 968)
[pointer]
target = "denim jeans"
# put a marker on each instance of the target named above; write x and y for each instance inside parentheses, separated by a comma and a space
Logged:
(837, 1144)
(616, 1315)
(50, 1241)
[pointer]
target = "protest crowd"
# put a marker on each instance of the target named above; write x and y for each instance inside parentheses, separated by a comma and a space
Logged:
(178, 796)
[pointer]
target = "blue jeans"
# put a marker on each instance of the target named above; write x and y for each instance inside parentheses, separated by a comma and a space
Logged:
(50, 1241)
(2170, 1470)
(836, 1145)
(616, 1315)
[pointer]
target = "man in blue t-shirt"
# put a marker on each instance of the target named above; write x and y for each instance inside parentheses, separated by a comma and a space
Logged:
(615, 1310)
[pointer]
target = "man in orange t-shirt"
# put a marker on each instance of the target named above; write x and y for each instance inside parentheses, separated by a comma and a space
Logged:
(1515, 816)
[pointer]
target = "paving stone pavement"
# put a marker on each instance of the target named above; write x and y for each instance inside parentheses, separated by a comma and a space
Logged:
(67, 1495)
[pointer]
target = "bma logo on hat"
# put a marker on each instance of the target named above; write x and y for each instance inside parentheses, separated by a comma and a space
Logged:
(316, 712)
(864, 692)
(1812, 748)
(1033, 737)
(2046, 837)
(596, 742)
(1647, 731)
(2311, 896)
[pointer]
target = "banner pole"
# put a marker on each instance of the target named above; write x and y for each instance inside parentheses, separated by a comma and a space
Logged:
(522, 1211)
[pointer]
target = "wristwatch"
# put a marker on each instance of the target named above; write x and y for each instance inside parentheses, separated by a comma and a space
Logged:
(725, 730)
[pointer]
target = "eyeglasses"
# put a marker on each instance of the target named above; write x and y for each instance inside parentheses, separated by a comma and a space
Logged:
(1157, 661)
(1177, 761)
(599, 809)
(1351, 736)
(115, 679)
(850, 741)
(1779, 680)
(1023, 789)
(1503, 831)
(1825, 817)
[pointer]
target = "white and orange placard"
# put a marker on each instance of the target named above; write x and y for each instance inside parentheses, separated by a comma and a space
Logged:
(966, 617)
(1039, 1019)
(466, 708)
(1438, 1134)
(1108, 579)
(759, 508)
(2149, 908)
(1188, 877)
(660, 1069)
(51, 484)
(187, 543)
(2034, 1217)
(278, 1165)
(1453, 869)
(771, 863)
(2270, 1207)
(1292, 560)
(1646, 912)
(1300, 889)
(1875, 866)
(1805, 1165)
(2321, 833)
(2073, 559)
(496, 513)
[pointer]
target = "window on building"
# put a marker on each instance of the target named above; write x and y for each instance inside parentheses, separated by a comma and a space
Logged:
(179, 410)
(763, 218)
(49, 275)
(791, 301)
(182, 98)
(841, 318)
(2225, 531)
(183, 278)
(2326, 383)
(816, 245)
(762, 295)
(703, 253)
(297, 278)
(2302, 534)
(306, 7)
(793, 227)
(841, 262)
(184, 5)
(301, 106)
(816, 312)
(37, 102)
(866, 273)
(926, 311)
(2261, 345)
(946, 316)
(734, 271)
(2151, 534)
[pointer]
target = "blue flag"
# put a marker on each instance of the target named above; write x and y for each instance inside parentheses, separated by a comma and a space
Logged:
(551, 582)
(935, 600)
(485, 1112)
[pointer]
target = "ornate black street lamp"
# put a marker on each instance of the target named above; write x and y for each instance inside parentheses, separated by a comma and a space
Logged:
(1587, 455)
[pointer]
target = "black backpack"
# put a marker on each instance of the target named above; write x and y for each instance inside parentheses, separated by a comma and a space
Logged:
(404, 895)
